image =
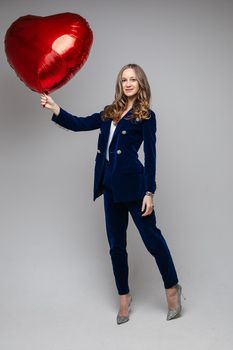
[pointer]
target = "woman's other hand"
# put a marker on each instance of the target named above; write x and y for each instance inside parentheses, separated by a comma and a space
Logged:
(147, 205)
(48, 102)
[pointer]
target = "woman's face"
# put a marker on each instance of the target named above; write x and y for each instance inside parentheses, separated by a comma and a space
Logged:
(130, 83)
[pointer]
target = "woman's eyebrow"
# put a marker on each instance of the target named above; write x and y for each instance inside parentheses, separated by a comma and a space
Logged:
(133, 77)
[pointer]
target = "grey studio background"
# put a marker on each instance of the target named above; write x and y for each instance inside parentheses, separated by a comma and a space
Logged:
(57, 287)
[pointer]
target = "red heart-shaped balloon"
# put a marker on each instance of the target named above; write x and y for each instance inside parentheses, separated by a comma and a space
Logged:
(46, 52)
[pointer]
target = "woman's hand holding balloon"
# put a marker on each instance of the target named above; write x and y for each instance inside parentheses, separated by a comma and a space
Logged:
(48, 102)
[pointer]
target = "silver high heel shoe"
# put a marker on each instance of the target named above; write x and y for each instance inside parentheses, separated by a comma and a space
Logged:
(176, 312)
(123, 319)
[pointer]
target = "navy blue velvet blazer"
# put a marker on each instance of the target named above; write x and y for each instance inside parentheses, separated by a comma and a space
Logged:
(130, 178)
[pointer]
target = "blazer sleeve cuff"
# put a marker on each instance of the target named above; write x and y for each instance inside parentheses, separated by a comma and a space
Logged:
(151, 188)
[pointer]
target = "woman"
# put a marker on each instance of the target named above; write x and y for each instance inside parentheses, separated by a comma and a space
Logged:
(127, 185)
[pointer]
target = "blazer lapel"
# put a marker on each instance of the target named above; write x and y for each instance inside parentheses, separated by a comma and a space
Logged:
(122, 122)
(119, 127)
(106, 130)
(107, 125)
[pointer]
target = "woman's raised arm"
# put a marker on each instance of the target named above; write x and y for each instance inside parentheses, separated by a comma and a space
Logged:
(69, 121)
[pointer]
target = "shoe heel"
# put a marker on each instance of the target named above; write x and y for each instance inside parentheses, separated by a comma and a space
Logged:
(183, 296)
(182, 293)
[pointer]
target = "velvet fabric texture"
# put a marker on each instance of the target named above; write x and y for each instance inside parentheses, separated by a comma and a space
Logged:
(130, 178)
(116, 219)
(124, 180)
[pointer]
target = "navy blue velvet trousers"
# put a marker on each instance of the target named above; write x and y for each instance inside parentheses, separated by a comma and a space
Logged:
(116, 219)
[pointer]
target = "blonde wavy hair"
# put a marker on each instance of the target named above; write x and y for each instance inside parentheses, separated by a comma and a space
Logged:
(141, 104)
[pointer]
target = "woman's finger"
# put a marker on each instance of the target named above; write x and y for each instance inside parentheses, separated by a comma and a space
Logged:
(43, 101)
(143, 205)
(147, 212)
